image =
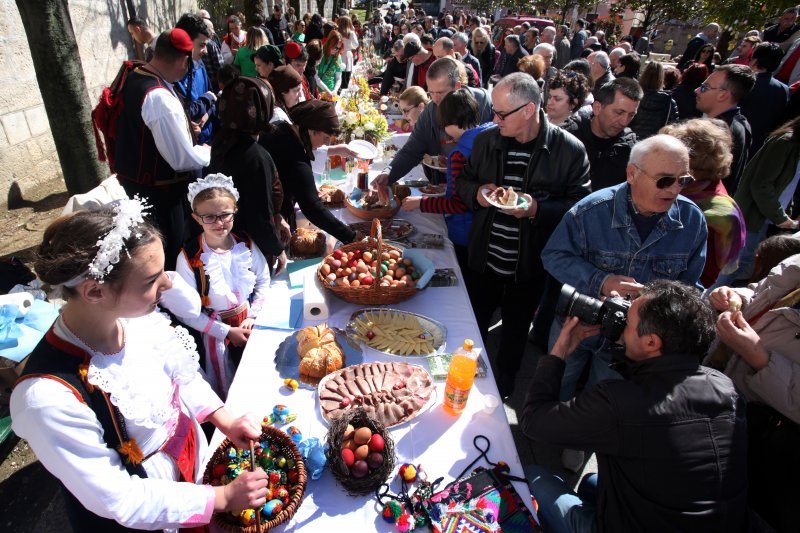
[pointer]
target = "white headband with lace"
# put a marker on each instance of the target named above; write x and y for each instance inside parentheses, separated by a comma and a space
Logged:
(212, 181)
(129, 213)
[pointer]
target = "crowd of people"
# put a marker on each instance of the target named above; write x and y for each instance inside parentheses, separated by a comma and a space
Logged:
(638, 182)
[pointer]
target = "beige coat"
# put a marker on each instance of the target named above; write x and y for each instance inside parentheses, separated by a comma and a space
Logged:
(777, 384)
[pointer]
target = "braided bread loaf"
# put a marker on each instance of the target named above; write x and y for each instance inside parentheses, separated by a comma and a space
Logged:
(319, 352)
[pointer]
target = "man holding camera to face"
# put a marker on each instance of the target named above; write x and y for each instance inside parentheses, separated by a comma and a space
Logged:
(618, 238)
(670, 437)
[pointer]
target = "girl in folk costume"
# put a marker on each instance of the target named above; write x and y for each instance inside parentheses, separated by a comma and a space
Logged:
(230, 274)
(111, 399)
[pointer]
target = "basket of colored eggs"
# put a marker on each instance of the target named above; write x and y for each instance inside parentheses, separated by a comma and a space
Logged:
(370, 272)
(277, 454)
(360, 452)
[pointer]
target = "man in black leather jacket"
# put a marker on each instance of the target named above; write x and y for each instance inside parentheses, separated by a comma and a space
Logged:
(670, 438)
(548, 169)
(605, 134)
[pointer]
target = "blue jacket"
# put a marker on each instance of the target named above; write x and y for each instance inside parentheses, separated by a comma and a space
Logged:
(597, 238)
(458, 226)
(198, 105)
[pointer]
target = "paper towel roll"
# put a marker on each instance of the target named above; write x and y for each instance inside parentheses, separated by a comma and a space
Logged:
(315, 305)
(21, 300)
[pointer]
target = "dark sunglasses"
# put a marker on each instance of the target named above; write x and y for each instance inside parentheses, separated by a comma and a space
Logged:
(665, 182)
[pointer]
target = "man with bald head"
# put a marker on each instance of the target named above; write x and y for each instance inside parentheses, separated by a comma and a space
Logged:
(619, 238)
(445, 47)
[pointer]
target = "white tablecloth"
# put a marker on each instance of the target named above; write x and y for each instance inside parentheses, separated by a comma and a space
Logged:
(440, 442)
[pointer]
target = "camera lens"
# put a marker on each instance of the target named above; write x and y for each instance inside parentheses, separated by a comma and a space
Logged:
(573, 303)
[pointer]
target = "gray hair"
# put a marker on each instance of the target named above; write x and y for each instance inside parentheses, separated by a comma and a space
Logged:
(549, 29)
(590, 41)
(544, 46)
(617, 52)
(656, 143)
(513, 39)
(410, 36)
(521, 88)
(445, 68)
(602, 59)
(461, 37)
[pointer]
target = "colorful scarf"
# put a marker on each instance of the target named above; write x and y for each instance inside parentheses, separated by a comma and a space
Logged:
(726, 226)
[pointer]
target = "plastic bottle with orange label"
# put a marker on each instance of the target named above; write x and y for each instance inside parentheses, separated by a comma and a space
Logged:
(460, 378)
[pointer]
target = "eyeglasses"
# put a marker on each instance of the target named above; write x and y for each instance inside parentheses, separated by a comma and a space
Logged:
(502, 116)
(665, 182)
(706, 87)
(211, 219)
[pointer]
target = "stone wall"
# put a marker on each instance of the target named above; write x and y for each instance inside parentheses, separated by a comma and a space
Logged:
(27, 154)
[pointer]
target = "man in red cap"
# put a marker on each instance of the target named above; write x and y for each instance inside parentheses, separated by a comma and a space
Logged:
(155, 155)
(296, 57)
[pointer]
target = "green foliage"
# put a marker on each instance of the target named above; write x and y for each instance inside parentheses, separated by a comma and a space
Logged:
(735, 15)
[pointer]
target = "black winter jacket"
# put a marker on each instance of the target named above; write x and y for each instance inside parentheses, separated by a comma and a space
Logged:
(607, 161)
(656, 110)
(670, 439)
(557, 177)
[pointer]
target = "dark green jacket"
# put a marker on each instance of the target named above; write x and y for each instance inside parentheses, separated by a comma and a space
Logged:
(764, 178)
(557, 177)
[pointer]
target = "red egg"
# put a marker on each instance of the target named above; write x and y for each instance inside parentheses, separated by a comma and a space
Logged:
(376, 443)
(367, 280)
(359, 469)
(337, 254)
(348, 457)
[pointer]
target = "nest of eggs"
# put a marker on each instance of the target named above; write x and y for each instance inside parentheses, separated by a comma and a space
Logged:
(353, 478)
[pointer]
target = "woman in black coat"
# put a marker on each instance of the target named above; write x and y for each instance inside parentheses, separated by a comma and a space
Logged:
(236, 153)
(482, 48)
(291, 147)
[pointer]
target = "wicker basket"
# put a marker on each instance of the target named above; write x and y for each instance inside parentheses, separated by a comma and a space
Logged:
(369, 214)
(370, 294)
(367, 484)
(283, 442)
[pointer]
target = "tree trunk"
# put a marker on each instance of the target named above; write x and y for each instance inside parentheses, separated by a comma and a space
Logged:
(321, 7)
(59, 73)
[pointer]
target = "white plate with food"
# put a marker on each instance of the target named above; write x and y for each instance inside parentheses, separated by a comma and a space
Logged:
(391, 392)
(436, 162)
(363, 149)
(397, 333)
(433, 190)
(504, 198)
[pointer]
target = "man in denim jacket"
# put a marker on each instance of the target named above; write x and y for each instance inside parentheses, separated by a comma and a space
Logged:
(619, 238)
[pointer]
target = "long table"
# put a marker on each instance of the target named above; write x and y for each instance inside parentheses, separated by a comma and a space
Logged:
(440, 442)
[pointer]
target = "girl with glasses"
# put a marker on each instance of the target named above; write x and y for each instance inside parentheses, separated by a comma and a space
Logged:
(329, 71)
(229, 273)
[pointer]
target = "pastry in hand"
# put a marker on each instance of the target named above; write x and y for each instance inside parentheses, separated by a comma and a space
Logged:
(401, 191)
(504, 196)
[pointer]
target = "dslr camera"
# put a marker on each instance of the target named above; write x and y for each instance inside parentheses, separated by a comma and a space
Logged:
(611, 313)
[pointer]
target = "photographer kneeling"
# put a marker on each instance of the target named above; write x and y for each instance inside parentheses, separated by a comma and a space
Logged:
(670, 437)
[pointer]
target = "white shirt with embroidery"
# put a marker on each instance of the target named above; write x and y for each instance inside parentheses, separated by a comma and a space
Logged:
(142, 380)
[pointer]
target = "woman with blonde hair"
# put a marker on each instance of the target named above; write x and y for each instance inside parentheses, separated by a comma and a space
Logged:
(709, 142)
(482, 48)
(412, 102)
(329, 70)
(349, 47)
(256, 38)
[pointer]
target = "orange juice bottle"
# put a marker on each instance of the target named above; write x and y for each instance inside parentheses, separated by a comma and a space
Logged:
(460, 378)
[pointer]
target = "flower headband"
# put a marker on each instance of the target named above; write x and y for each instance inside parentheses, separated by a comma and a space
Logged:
(210, 182)
(129, 213)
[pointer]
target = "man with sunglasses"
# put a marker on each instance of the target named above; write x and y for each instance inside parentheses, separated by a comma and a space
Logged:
(619, 238)
(719, 97)
(548, 170)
